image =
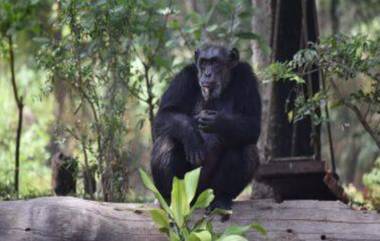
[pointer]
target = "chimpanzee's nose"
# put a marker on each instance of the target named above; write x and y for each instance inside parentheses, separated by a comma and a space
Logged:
(207, 74)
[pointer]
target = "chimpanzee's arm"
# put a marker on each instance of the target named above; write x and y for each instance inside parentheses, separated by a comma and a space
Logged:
(243, 126)
(179, 126)
(237, 129)
(234, 129)
(174, 115)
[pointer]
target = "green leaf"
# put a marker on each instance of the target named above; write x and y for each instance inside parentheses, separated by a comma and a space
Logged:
(236, 230)
(200, 236)
(41, 40)
(221, 212)
(297, 79)
(259, 228)
(290, 116)
(160, 218)
(173, 236)
(242, 230)
(212, 28)
(246, 13)
(148, 183)
(174, 24)
(204, 199)
(209, 14)
(201, 224)
(191, 183)
(232, 238)
(247, 35)
(179, 205)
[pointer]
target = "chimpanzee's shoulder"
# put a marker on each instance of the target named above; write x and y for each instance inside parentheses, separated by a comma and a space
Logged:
(243, 73)
(243, 68)
(185, 78)
(189, 70)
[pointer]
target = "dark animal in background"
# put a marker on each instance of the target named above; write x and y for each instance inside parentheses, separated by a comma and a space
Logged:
(64, 174)
(89, 181)
(209, 117)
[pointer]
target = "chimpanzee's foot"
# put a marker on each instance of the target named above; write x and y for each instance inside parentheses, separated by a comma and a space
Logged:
(220, 203)
(223, 204)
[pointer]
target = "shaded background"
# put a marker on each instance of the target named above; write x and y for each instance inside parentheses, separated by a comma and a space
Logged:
(91, 83)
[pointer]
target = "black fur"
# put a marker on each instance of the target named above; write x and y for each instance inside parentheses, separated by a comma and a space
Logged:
(64, 174)
(231, 154)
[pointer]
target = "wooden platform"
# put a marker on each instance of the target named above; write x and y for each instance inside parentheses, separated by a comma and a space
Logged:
(66, 218)
(294, 178)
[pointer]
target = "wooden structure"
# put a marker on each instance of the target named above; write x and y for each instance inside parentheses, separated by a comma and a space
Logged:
(293, 166)
(293, 179)
(67, 218)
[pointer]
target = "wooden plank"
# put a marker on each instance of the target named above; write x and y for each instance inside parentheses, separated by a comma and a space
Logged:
(290, 167)
(300, 178)
(67, 218)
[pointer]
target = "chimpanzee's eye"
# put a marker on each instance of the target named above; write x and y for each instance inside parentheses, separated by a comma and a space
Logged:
(214, 60)
(202, 62)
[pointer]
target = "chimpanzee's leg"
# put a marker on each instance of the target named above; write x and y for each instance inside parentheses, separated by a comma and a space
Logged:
(234, 172)
(168, 160)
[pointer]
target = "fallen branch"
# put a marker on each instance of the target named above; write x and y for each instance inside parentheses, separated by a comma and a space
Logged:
(67, 218)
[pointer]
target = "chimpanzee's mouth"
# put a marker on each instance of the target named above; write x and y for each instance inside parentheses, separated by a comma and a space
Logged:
(206, 92)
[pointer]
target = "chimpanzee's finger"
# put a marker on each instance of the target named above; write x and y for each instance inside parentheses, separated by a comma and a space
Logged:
(197, 158)
(206, 123)
(202, 156)
(200, 116)
(202, 126)
(201, 122)
(192, 158)
(211, 112)
(208, 118)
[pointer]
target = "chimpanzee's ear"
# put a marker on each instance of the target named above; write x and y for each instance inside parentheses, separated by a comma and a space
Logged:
(196, 55)
(234, 56)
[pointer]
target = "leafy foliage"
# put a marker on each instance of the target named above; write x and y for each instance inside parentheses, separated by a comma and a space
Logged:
(174, 220)
(372, 181)
(17, 20)
(339, 59)
(106, 52)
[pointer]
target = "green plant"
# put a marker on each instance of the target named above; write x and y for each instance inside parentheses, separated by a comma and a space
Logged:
(174, 220)
(372, 181)
(341, 61)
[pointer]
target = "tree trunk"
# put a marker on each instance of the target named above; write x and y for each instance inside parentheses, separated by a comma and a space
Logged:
(334, 16)
(20, 107)
(67, 218)
(262, 25)
(262, 22)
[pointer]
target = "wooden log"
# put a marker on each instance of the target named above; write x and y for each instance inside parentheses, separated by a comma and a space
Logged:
(68, 218)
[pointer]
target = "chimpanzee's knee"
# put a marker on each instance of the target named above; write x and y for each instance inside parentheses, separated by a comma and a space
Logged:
(167, 161)
(235, 172)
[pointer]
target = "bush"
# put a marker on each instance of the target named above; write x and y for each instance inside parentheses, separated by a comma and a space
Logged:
(174, 220)
(372, 183)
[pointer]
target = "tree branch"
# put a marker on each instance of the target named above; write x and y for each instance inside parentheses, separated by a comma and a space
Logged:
(20, 107)
(358, 114)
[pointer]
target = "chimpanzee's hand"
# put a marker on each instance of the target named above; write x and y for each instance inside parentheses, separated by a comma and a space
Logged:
(207, 120)
(194, 150)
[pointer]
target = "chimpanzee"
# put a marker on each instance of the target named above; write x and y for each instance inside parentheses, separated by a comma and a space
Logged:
(89, 181)
(64, 173)
(209, 117)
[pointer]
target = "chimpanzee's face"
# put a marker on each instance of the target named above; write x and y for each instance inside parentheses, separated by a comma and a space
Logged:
(214, 64)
